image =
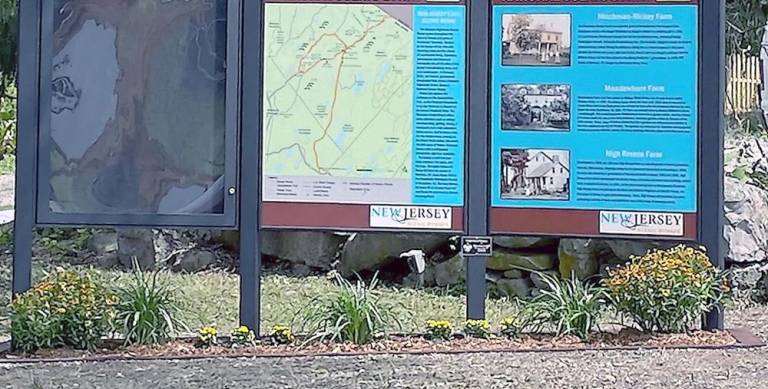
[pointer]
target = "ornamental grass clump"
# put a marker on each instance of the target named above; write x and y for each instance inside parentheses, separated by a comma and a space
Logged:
(439, 330)
(667, 290)
(65, 309)
(148, 312)
(477, 329)
(353, 313)
(568, 307)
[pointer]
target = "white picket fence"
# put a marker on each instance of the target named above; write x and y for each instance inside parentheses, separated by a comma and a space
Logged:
(743, 89)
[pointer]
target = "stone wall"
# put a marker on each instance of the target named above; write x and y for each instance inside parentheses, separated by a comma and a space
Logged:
(746, 232)
(512, 270)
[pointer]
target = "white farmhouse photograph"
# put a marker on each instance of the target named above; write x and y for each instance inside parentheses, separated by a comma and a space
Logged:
(535, 174)
(536, 40)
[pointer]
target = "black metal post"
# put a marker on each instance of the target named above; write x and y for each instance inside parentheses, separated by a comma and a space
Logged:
(26, 144)
(712, 92)
(478, 171)
(250, 167)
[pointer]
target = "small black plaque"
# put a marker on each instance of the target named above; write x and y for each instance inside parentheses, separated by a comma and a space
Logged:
(476, 245)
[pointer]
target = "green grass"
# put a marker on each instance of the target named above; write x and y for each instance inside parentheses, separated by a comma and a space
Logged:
(7, 165)
(212, 298)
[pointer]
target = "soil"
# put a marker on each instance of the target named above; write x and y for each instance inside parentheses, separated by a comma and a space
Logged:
(186, 348)
(743, 368)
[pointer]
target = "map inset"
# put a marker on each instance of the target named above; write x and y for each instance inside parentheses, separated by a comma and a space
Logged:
(338, 87)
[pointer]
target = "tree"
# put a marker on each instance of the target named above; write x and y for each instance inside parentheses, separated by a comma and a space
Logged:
(745, 25)
(519, 32)
(515, 111)
(7, 45)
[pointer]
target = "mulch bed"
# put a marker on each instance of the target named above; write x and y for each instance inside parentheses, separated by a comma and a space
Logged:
(626, 339)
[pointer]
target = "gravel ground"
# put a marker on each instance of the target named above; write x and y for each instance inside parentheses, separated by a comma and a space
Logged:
(640, 369)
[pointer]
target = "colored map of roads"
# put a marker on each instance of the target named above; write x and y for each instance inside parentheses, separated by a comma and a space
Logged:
(338, 90)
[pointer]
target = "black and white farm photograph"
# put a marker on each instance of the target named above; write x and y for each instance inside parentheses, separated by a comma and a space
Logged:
(536, 107)
(536, 40)
(535, 174)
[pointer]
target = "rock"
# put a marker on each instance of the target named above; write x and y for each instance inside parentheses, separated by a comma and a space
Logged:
(579, 257)
(194, 260)
(493, 276)
(413, 280)
(450, 272)
(108, 260)
(747, 277)
(103, 242)
(624, 249)
(372, 251)
(503, 261)
(428, 278)
(166, 244)
(604, 267)
(520, 287)
(538, 280)
(300, 270)
(524, 242)
(229, 239)
(746, 222)
(136, 243)
(169, 242)
(312, 248)
(514, 273)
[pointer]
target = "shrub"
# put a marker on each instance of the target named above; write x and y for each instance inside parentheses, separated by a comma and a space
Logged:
(477, 329)
(65, 309)
(353, 313)
(281, 334)
(59, 241)
(243, 337)
(569, 307)
(5, 237)
(439, 330)
(207, 337)
(7, 125)
(148, 312)
(667, 290)
(511, 326)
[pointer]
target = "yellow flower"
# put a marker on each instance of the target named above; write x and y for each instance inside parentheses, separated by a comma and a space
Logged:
(508, 322)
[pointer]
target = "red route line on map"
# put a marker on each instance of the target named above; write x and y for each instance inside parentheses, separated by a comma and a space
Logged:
(338, 76)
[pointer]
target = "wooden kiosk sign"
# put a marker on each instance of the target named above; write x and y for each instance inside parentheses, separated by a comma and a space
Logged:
(569, 118)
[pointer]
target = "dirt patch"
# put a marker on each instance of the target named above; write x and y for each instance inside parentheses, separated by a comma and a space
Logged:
(742, 368)
(628, 338)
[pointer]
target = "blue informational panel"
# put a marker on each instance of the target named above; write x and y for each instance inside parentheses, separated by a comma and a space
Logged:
(594, 118)
(438, 98)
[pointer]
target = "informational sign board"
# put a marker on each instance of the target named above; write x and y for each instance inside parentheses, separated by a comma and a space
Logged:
(594, 118)
(363, 115)
(150, 142)
(598, 118)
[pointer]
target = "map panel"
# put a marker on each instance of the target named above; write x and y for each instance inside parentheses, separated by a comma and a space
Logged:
(342, 91)
(132, 136)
